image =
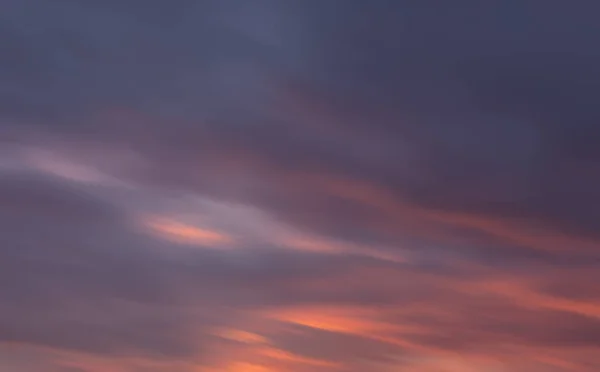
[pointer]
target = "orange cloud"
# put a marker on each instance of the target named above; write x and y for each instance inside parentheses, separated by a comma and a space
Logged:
(180, 232)
(279, 354)
(526, 296)
(247, 367)
(411, 217)
(366, 322)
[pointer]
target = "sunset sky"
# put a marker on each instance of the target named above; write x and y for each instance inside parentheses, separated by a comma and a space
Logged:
(299, 186)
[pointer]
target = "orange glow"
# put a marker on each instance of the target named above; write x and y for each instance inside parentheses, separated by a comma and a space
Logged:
(183, 233)
(345, 320)
(247, 367)
(358, 321)
(283, 355)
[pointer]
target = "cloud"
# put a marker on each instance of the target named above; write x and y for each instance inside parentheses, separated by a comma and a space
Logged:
(107, 289)
(135, 300)
(397, 186)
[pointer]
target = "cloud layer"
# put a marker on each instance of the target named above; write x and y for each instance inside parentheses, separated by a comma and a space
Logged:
(299, 186)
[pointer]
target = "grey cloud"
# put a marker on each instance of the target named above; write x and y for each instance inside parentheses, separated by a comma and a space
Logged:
(64, 250)
(437, 88)
(456, 137)
(106, 289)
(483, 109)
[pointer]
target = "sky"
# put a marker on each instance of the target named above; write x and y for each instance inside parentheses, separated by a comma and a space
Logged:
(299, 186)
